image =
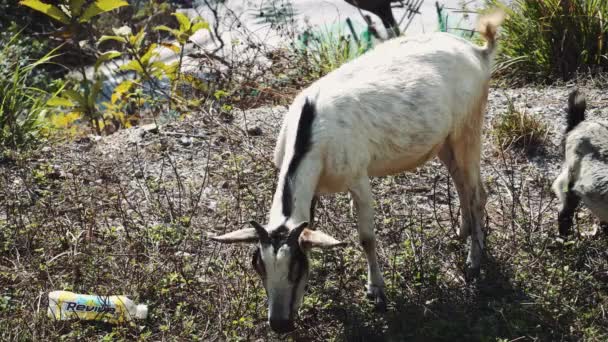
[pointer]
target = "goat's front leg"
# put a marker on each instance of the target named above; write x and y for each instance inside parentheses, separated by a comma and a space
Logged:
(362, 195)
(568, 201)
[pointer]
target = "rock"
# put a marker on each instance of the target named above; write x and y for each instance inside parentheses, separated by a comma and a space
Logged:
(149, 128)
(185, 141)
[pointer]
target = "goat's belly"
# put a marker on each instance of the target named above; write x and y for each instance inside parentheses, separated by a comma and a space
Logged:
(592, 187)
(345, 164)
(405, 162)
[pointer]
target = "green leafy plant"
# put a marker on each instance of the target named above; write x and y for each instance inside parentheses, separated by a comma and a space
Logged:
(22, 104)
(545, 40)
(75, 15)
(74, 12)
(143, 62)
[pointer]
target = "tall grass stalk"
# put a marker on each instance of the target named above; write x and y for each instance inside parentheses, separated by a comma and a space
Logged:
(328, 49)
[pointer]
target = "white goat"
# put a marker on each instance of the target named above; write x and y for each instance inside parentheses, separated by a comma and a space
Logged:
(388, 111)
(584, 174)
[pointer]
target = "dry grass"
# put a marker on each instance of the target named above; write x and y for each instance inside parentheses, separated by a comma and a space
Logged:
(519, 130)
(108, 219)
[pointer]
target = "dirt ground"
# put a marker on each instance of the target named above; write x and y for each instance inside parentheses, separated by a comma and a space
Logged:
(131, 214)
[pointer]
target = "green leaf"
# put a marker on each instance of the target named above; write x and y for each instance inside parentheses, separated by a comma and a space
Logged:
(56, 101)
(137, 39)
(47, 9)
(75, 97)
(106, 56)
(116, 38)
(159, 68)
(184, 21)
(168, 29)
(145, 59)
(121, 89)
(132, 66)
(199, 26)
(101, 6)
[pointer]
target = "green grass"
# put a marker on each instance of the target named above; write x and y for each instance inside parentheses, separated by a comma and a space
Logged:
(548, 40)
(22, 101)
(325, 50)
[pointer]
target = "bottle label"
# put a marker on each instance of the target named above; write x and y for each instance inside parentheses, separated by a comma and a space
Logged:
(70, 305)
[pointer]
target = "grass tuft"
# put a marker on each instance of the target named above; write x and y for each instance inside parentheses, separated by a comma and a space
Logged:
(518, 129)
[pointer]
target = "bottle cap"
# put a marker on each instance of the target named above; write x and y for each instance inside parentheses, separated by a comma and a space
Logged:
(141, 311)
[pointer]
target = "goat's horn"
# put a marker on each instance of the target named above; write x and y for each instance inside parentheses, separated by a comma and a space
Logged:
(295, 233)
(262, 232)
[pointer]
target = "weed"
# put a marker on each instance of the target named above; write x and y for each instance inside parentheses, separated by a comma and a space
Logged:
(518, 129)
(22, 104)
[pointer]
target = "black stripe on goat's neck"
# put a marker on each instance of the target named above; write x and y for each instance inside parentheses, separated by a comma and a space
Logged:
(302, 146)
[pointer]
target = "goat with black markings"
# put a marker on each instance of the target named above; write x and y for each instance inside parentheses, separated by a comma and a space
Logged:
(388, 111)
(584, 175)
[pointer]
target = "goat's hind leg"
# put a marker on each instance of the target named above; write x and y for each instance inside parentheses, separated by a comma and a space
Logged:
(362, 196)
(462, 161)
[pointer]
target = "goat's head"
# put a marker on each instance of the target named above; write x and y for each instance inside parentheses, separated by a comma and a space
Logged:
(281, 260)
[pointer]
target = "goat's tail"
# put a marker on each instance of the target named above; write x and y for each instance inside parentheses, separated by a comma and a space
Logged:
(487, 26)
(576, 109)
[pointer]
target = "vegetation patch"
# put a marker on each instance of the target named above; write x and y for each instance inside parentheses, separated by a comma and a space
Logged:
(547, 40)
(517, 129)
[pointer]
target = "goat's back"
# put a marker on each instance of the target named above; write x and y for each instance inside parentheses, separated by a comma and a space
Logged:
(391, 109)
(587, 162)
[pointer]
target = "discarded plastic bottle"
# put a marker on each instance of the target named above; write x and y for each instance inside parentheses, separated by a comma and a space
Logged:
(64, 305)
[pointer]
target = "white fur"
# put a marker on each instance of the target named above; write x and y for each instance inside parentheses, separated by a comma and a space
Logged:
(585, 169)
(386, 112)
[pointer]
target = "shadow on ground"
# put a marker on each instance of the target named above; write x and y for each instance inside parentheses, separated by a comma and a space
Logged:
(485, 310)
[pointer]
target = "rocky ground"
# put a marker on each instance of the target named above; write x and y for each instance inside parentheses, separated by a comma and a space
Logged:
(132, 212)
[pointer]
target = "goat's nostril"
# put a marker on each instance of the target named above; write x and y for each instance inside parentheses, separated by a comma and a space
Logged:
(281, 325)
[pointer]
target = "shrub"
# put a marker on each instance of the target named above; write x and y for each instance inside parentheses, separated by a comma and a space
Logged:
(517, 129)
(545, 40)
(22, 103)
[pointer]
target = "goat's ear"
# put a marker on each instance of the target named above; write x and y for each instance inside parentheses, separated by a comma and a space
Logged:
(315, 239)
(241, 235)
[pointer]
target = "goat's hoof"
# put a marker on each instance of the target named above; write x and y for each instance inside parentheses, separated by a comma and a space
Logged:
(376, 294)
(472, 273)
(564, 232)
